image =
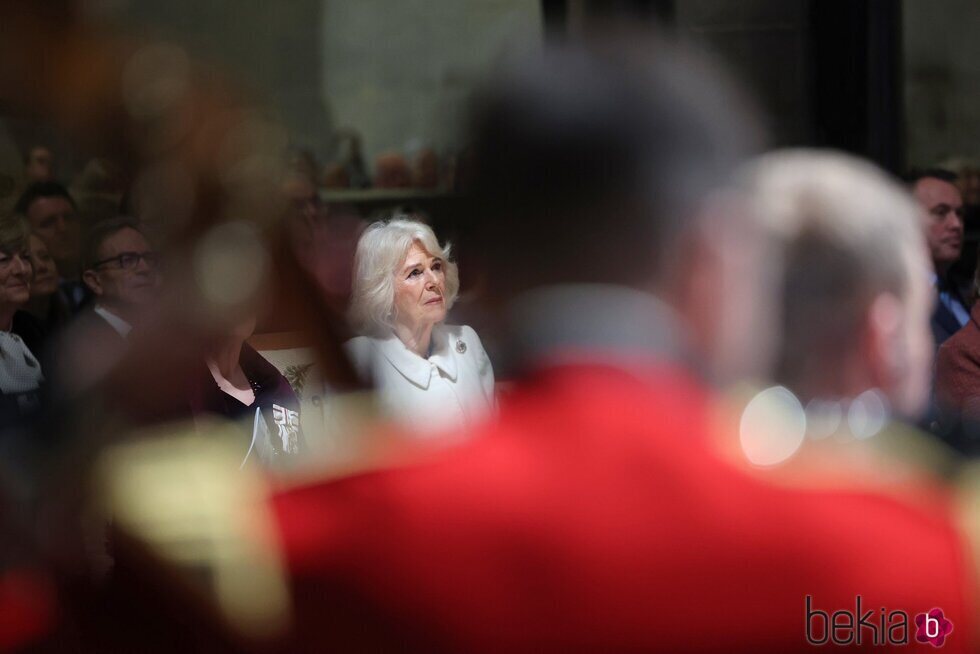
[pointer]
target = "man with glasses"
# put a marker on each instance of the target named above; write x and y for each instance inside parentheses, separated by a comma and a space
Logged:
(121, 272)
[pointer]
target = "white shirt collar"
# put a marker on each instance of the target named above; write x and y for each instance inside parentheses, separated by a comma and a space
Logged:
(121, 326)
(413, 367)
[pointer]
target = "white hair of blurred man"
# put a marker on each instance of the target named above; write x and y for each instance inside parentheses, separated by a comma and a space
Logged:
(380, 254)
(855, 298)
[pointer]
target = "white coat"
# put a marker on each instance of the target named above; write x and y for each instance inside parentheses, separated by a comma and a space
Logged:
(452, 388)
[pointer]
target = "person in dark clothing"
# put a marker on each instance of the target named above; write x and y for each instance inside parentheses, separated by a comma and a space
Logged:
(241, 385)
(51, 213)
(942, 224)
(20, 371)
(48, 310)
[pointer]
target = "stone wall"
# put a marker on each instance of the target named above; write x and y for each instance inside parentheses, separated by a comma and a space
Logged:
(393, 70)
(942, 79)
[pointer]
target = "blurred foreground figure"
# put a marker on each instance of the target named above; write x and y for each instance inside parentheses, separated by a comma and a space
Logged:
(855, 292)
(602, 511)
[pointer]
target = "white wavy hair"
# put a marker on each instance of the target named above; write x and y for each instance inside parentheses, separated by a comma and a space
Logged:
(379, 257)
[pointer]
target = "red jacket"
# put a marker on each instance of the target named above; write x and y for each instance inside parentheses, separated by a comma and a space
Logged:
(594, 514)
(958, 370)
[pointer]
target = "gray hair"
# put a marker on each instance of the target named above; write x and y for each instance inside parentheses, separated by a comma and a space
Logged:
(847, 233)
(15, 234)
(380, 253)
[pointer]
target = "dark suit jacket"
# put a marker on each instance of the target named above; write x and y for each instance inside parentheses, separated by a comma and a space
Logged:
(273, 395)
(85, 351)
(944, 323)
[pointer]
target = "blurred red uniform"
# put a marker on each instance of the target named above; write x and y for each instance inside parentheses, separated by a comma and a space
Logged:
(596, 515)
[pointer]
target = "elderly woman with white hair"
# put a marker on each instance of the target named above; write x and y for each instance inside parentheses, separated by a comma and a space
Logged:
(428, 374)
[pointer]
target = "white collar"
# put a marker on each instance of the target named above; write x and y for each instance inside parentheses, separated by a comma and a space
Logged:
(121, 326)
(413, 367)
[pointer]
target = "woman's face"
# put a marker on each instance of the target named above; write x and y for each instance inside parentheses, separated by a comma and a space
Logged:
(15, 278)
(420, 289)
(45, 271)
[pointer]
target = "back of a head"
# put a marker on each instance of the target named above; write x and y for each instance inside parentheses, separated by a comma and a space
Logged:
(847, 234)
(591, 156)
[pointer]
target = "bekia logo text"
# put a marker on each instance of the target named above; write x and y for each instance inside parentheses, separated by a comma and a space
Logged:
(882, 627)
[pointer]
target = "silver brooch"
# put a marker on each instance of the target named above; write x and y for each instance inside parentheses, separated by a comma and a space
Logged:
(461, 347)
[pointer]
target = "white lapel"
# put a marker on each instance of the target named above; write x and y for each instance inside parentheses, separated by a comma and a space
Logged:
(413, 367)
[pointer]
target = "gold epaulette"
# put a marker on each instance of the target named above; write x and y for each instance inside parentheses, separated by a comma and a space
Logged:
(969, 519)
(896, 460)
(179, 490)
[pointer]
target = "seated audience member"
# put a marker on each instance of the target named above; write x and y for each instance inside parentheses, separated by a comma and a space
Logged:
(942, 223)
(48, 303)
(121, 273)
(854, 288)
(241, 385)
(20, 371)
(51, 213)
(957, 385)
(427, 373)
(968, 182)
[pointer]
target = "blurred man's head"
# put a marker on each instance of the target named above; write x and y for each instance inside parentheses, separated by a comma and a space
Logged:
(50, 210)
(941, 215)
(856, 299)
(595, 163)
(121, 268)
(39, 164)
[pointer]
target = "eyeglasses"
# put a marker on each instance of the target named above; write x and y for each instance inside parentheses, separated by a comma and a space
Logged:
(130, 260)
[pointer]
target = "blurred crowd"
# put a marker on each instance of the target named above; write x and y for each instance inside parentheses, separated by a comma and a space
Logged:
(708, 397)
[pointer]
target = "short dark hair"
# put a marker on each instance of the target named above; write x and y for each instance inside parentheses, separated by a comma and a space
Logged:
(916, 175)
(100, 233)
(599, 152)
(41, 190)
